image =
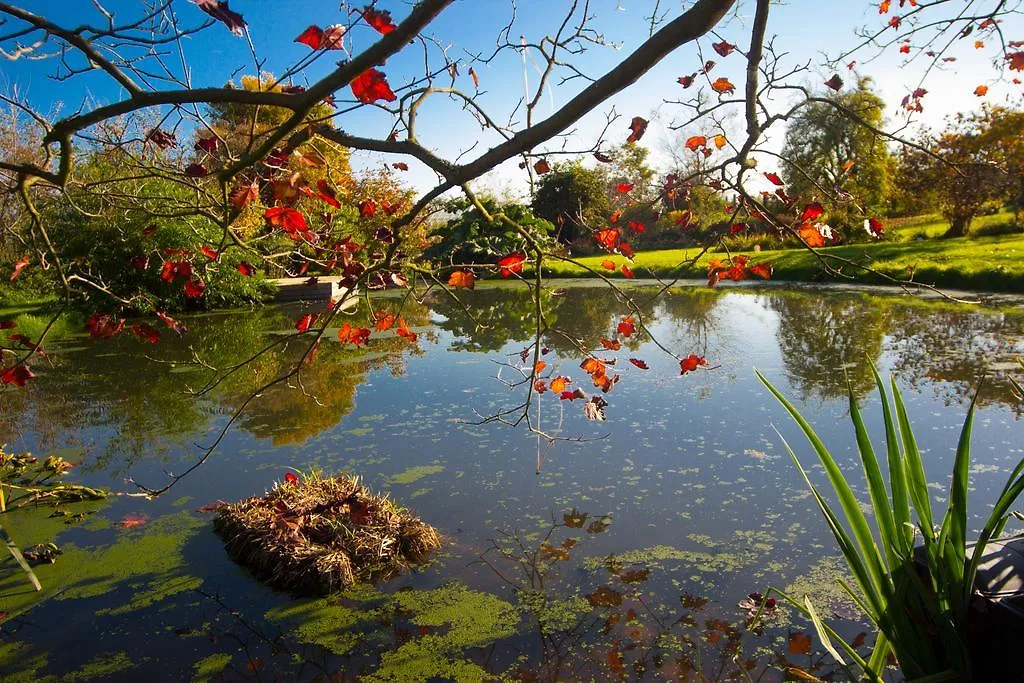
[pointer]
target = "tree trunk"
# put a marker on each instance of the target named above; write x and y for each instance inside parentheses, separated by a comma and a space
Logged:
(959, 226)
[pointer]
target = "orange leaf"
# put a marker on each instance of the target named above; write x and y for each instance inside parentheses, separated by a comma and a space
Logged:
(762, 270)
(811, 235)
(542, 166)
(558, 384)
(463, 279)
(627, 272)
(539, 367)
(800, 644)
(608, 264)
(981, 90)
(719, 141)
(626, 327)
(723, 86)
(696, 142)
(610, 344)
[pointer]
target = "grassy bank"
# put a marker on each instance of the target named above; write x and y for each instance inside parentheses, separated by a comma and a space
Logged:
(984, 263)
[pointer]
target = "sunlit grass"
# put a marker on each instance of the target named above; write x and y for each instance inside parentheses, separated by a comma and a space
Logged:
(993, 263)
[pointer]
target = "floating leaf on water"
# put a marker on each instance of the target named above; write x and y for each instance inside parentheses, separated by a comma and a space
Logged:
(605, 597)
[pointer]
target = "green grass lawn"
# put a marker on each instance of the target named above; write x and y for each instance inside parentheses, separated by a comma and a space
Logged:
(991, 263)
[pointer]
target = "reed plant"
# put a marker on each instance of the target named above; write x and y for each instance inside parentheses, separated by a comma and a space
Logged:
(919, 602)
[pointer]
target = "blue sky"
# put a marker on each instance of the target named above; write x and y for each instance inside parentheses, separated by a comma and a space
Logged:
(804, 29)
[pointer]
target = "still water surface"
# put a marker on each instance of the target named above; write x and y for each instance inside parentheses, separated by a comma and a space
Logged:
(623, 551)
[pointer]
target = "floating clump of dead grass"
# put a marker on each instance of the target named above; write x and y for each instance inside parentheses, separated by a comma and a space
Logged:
(315, 534)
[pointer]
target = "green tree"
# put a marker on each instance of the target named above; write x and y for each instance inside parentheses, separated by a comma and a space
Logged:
(574, 198)
(470, 236)
(975, 162)
(832, 149)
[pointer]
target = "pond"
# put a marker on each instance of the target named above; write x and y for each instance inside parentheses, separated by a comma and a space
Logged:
(622, 549)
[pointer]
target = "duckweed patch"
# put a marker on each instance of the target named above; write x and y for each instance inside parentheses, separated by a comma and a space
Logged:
(208, 667)
(414, 474)
(150, 561)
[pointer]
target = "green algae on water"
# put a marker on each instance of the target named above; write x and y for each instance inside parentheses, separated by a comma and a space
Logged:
(415, 474)
(208, 667)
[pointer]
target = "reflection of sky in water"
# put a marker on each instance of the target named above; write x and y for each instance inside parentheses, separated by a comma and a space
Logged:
(691, 464)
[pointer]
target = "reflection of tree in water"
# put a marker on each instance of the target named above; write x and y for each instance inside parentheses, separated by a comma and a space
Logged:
(691, 314)
(821, 336)
(487, 319)
(324, 391)
(953, 347)
(143, 406)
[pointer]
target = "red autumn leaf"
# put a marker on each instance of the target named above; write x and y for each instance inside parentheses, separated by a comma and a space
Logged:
(384, 320)
(737, 227)
(379, 20)
(610, 344)
(144, 331)
(208, 145)
(874, 227)
(132, 521)
(723, 86)
(367, 208)
(209, 252)
(626, 250)
(774, 178)
(607, 238)
(178, 327)
(981, 90)
(475, 77)
(400, 165)
(812, 212)
(762, 270)
(639, 363)
(684, 219)
(196, 170)
(708, 66)
(905, 49)
(836, 83)
(161, 139)
(696, 142)
(691, 363)
(624, 188)
(103, 325)
(7, 324)
(290, 220)
(637, 127)
(303, 324)
(17, 375)
(883, 7)
(686, 81)
(370, 86)
(811, 235)
(327, 194)
(894, 23)
(243, 195)
(608, 264)
(290, 478)
(636, 228)
(174, 269)
(723, 48)
(626, 327)
(542, 166)
(800, 644)
(1016, 60)
(194, 288)
(626, 271)
(616, 215)
(218, 9)
(572, 395)
(140, 262)
(511, 264)
(323, 39)
(246, 269)
(403, 330)
(353, 335)
(20, 265)
(148, 231)
(463, 279)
